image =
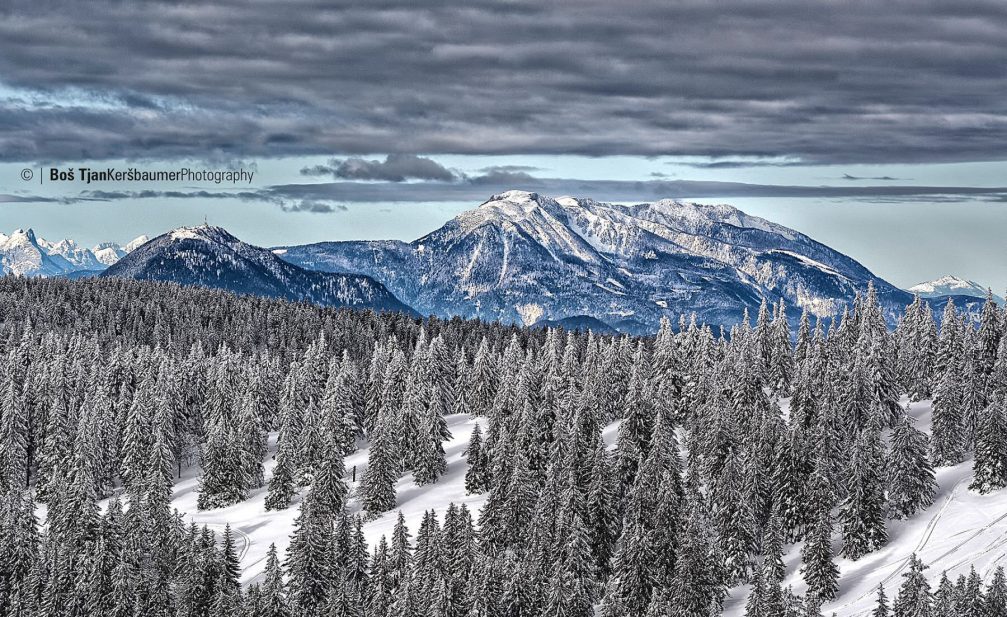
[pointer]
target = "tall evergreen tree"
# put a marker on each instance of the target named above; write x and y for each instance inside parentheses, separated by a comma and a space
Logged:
(911, 483)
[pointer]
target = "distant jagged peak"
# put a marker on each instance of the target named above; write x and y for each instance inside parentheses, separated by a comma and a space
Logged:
(23, 236)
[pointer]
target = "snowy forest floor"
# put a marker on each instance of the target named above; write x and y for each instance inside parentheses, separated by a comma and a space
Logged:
(961, 528)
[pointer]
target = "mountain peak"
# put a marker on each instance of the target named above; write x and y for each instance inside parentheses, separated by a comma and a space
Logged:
(202, 232)
(523, 257)
(24, 235)
(136, 243)
(949, 285)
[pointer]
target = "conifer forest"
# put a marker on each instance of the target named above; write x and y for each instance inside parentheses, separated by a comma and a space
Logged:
(729, 449)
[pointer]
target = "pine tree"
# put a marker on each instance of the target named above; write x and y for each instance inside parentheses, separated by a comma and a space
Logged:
(224, 480)
(996, 595)
(945, 598)
(475, 475)
(820, 571)
(863, 512)
(911, 483)
(571, 587)
(377, 489)
(274, 597)
(308, 559)
(881, 608)
(948, 440)
(914, 599)
(990, 464)
(429, 463)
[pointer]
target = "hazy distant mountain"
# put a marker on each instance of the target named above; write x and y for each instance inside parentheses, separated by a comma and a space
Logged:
(526, 258)
(211, 257)
(21, 253)
(25, 254)
(952, 286)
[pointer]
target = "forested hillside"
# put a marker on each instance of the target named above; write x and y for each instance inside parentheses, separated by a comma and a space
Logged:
(731, 446)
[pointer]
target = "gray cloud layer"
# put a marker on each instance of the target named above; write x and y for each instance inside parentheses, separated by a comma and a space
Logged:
(829, 81)
(395, 168)
(331, 196)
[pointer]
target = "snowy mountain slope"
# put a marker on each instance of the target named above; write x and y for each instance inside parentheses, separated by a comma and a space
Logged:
(521, 257)
(211, 257)
(952, 286)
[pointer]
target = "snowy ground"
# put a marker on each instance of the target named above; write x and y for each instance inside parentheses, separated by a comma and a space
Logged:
(960, 529)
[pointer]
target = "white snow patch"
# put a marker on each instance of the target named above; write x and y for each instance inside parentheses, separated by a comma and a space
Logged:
(530, 313)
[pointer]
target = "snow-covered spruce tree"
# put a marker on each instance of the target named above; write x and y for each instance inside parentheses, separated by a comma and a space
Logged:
(570, 591)
(916, 338)
(377, 488)
(429, 463)
(338, 408)
(819, 570)
(914, 598)
(911, 484)
(767, 596)
(995, 602)
(483, 379)
(475, 474)
(947, 438)
(863, 512)
(990, 465)
(790, 479)
(274, 589)
(735, 521)
(634, 431)
(988, 336)
(648, 550)
(252, 439)
(945, 598)
(881, 606)
(282, 484)
(308, 563)
(781, 360)
(224, 481)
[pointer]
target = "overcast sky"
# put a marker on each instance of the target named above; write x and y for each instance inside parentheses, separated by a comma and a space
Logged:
(875, 127)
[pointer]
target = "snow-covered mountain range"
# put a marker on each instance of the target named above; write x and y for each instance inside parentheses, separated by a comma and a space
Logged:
(209, 256)
(526, 258)
(522, 258)
(24, 254)
(952, 286)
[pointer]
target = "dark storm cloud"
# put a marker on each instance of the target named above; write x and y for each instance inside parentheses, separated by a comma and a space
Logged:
(395, 168)
(830, 81)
